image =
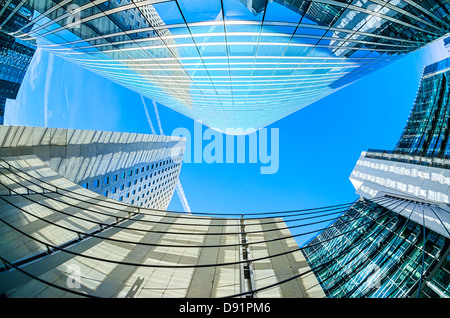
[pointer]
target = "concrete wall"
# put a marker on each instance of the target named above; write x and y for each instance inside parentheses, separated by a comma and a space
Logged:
(85, 156)
(161, 254)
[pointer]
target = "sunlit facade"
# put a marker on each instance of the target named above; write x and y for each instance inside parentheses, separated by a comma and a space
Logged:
(235, 63)
(61, 240)
(131, 168)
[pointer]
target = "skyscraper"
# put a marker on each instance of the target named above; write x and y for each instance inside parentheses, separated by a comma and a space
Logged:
(427, 131)
(395, 240)
(235, 63)
(15, 54)
(137, 169)
(59, 239)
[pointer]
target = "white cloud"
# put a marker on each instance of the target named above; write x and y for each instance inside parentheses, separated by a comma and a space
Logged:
(34, 68)
(182, 197)
(48, 78)
(148, 116)
(157, 118)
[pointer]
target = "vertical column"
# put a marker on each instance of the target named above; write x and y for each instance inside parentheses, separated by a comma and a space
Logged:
(247, 275)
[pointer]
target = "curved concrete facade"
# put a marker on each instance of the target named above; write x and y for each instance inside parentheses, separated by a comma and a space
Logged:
(59, 239)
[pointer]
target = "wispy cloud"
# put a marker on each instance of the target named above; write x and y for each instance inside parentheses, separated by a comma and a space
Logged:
(179, 188)
(157, 118)
(34, 68)
(48, 78)
(182, 197)
(148, 116)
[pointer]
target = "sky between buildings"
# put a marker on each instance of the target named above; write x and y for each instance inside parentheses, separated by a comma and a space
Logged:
(318, 145)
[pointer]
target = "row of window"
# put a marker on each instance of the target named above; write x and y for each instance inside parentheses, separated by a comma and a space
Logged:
(159, 179)
(129, 173)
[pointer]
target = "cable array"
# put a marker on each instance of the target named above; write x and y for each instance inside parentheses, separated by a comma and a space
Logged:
(48, 191)
(116, 205)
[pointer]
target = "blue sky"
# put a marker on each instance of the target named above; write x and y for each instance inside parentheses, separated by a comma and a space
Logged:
(319, 144)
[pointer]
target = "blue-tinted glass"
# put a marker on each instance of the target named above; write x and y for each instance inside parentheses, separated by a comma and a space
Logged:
(197, 11)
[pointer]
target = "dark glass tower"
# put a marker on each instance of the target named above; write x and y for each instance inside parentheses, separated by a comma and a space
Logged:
(15, 54)
(382, 256)
(427, 130)
(395, 240)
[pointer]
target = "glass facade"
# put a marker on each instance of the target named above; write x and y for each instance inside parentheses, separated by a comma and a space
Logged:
(235, 63)
(427, 130)
(395, 240)
(14, 60)
(15, 54)
(385, 256)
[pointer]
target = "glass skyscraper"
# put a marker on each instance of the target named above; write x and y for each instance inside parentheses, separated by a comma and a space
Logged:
(427, 130)
(15, 54)
(382, 255)
(395, 240)
(234, 63)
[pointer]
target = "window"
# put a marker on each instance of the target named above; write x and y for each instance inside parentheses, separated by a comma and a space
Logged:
(122, 175)
(96, 183)
(121, 198)
(115, 177)
(105, 193)
(85, 185)
(114, 190)
(106, 180)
